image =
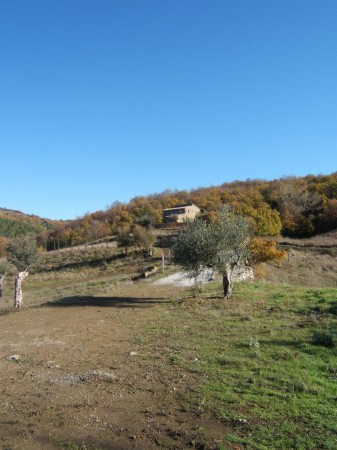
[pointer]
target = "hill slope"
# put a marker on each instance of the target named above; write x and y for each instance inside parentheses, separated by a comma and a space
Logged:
(298, 207)
(14, 223)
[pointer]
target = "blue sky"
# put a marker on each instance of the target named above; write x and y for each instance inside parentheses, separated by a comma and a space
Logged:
(102, 100)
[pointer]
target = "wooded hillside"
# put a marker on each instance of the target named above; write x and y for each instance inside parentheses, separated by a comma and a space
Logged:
(293, 206)
(15, 223)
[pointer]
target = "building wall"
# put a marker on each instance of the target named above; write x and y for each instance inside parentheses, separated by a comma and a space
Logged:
(181, 214)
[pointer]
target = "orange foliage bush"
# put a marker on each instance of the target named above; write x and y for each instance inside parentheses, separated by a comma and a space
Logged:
(263, 250)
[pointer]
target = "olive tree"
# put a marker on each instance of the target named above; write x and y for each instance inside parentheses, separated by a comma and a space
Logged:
(6, 268)
(144, 239)
(23, 253)
(125, 238)
(220, 245)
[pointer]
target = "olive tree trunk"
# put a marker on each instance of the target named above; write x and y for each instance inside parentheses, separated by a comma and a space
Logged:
(227, 281)
(2, 277)
(18, 289)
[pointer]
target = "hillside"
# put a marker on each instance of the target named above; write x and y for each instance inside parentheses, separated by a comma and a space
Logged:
(14, 223)
(297, 207)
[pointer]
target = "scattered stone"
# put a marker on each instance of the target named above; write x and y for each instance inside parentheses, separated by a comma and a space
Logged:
(240, 273)
(243, 273)
(185, 279)
(149, 272)
(94, 375)
(133, 353)
(239, 421)
(14, 358)
(53, 365)
(95, 418)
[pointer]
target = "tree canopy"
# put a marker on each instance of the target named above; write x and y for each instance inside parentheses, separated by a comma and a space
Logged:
(221, 244)
(23, 252)
(6, 267)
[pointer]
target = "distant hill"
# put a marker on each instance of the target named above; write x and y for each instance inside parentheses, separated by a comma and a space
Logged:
(297, 207)
(15, 223)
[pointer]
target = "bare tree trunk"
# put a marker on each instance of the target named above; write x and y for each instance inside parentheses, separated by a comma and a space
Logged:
(227, 284)
(2, 277)
(18, 289)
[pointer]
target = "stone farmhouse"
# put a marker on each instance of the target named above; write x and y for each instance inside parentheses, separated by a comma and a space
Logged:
(180, 213)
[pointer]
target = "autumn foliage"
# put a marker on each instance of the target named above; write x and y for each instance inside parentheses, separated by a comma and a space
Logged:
(264, 250)
(298, 207)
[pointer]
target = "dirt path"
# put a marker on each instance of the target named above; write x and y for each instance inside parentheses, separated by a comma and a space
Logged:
(82, 374)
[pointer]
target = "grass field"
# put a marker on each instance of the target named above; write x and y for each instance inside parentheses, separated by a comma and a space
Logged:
(261, 374)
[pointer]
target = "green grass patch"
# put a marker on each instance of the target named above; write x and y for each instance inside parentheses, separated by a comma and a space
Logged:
(261, 372)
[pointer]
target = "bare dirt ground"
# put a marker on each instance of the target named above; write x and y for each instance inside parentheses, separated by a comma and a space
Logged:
(83, 374)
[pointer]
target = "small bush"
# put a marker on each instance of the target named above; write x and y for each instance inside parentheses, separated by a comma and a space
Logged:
(254, 343)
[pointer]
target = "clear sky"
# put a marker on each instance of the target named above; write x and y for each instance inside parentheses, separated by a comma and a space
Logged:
(102, 100)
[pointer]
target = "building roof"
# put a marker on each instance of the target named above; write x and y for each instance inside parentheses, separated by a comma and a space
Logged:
(180, 206)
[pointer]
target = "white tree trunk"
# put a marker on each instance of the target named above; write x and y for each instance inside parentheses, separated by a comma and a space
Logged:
(2, 277)
(18, 289)
(227, 281)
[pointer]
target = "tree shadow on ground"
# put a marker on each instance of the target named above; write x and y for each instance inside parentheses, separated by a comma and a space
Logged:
(119, 302)
(308, 346)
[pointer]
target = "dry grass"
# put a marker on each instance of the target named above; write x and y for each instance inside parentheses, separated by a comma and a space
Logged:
(321, 240)
(305, 269)
(82, 272)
